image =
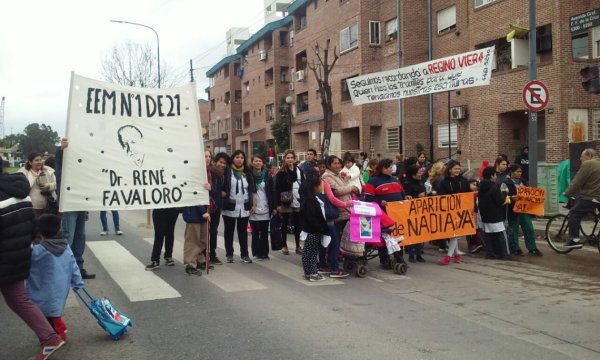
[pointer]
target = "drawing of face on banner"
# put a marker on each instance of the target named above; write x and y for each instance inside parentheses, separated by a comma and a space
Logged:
(132, 148)
(131, 139)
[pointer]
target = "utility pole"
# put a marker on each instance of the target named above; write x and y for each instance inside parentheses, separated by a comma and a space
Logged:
(2, 119)
(191, 71)
(532, 124)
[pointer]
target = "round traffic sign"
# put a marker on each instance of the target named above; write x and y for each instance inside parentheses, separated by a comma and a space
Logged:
(535, 95)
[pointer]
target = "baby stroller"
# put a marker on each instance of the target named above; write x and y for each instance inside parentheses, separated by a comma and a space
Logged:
(357, 254)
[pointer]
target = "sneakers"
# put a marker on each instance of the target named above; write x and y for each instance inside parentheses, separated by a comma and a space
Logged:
(215, 261)
(246, 260)
(46, 351)
(104, 233)
(324, 271)
(338, 274)
(476, 249)
(230, 260)
(153, 265)
(457, 259)
(535, 252)
(119, 232)
(574, 244)
(86, 275)
(169, 261)
(192, 271)
(316, 277)
(445, 260)
(459, 252)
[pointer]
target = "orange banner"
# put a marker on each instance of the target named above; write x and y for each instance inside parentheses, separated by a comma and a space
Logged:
(530, 200)
(433, 218)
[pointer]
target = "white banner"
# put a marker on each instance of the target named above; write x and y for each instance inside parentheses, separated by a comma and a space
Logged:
(132, 148)
(450, 73)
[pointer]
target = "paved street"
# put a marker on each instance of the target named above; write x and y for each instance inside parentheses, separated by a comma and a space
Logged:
(536, 308)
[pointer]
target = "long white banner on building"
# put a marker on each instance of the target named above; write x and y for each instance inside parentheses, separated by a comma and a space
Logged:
(132, 148)
(450, 73)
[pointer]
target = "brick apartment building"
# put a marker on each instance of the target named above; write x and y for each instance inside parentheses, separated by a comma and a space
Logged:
(485, 121)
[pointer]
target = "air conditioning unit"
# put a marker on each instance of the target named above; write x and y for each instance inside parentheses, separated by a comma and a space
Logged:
(224, 136)
(262, 55)
(300, 75)
(291, 85)
(458, 112)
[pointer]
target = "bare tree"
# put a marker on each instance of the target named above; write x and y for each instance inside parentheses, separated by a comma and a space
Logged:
(321, 70)
(133, 64)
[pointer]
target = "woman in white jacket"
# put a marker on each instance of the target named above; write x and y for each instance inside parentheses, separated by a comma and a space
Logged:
(42, 181)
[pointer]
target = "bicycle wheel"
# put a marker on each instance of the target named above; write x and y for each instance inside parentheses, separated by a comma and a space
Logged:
(557, 233)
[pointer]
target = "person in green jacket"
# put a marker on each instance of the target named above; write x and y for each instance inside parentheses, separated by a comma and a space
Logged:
(370, 170)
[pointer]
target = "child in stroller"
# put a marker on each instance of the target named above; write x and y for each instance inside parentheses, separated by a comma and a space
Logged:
(388, 249)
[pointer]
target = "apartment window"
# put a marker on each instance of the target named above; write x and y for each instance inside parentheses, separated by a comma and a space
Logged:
(302, 102)
(247, 88)
(270, 112)
(479, 3)
(345, 90)
(579, 44)
(446, 19)
(596, 42)
(392, 138)
(284, 38)
(349, 38)
(227, 97)
(238, 123)
(596, 124)
(443, 136)
(238, 96)
(374, 33)
(227, 124)
(212, 105)
(226, 71)
(391, 29)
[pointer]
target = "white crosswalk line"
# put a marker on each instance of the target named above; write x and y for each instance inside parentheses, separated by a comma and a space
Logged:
(226, 278)
(293, 271)
(128, 272)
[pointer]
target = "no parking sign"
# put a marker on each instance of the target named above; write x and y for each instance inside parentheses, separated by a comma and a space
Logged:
(536, 95)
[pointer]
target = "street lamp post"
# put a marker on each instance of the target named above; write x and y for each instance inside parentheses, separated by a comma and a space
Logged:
(157, 41)
(288, 101)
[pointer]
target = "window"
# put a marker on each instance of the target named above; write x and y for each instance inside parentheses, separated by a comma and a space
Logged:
(349, 38)
(596, 124)
(374, 33)
(443, 136)
(212, 105)
(238, 123)
(596, 42)
(269, 112)
(345, 90)
(238, 96)
(391, 29)
(392, 138)
(479, 3)
(446, 19)
(227, 97)
(579, 43)
(226, 71)
(302, 102)
(246, 88)
(284, 38)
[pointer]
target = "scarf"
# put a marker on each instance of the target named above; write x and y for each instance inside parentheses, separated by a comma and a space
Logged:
(237, 172)
(259, 177)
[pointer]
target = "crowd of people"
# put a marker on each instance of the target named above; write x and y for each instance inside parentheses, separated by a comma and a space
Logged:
(309, 200)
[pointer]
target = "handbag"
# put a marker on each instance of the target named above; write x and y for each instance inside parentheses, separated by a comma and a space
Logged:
(276, 235)
(286, 197)
(331, 212)
(51, 205)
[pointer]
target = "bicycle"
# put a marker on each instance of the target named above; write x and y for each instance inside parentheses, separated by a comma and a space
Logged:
(557, 231)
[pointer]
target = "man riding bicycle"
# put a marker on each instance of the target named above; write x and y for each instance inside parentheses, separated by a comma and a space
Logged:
(586, 185)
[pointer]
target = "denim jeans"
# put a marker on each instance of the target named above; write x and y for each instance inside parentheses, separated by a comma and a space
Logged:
(215, 219)
(115, 216)
(73, 230)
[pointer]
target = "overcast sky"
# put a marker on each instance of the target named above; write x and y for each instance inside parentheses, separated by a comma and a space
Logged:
(42, 41)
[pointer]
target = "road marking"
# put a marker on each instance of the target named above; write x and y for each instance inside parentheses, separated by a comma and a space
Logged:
(293, 271)
(226, 278)
(128, 272)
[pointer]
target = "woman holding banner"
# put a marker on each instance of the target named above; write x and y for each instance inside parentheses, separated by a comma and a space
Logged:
(383, 188)
(453, 183)
(414, 188)
(515, 219)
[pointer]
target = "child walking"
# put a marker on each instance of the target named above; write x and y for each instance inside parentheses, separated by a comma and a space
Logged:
(313, 224)
(53, 272)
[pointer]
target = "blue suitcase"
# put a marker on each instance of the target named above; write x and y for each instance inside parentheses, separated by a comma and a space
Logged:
(110, 319)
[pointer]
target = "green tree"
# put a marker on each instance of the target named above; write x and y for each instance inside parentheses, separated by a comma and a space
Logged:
(10, 140)
(38, 138)
(281, 127)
